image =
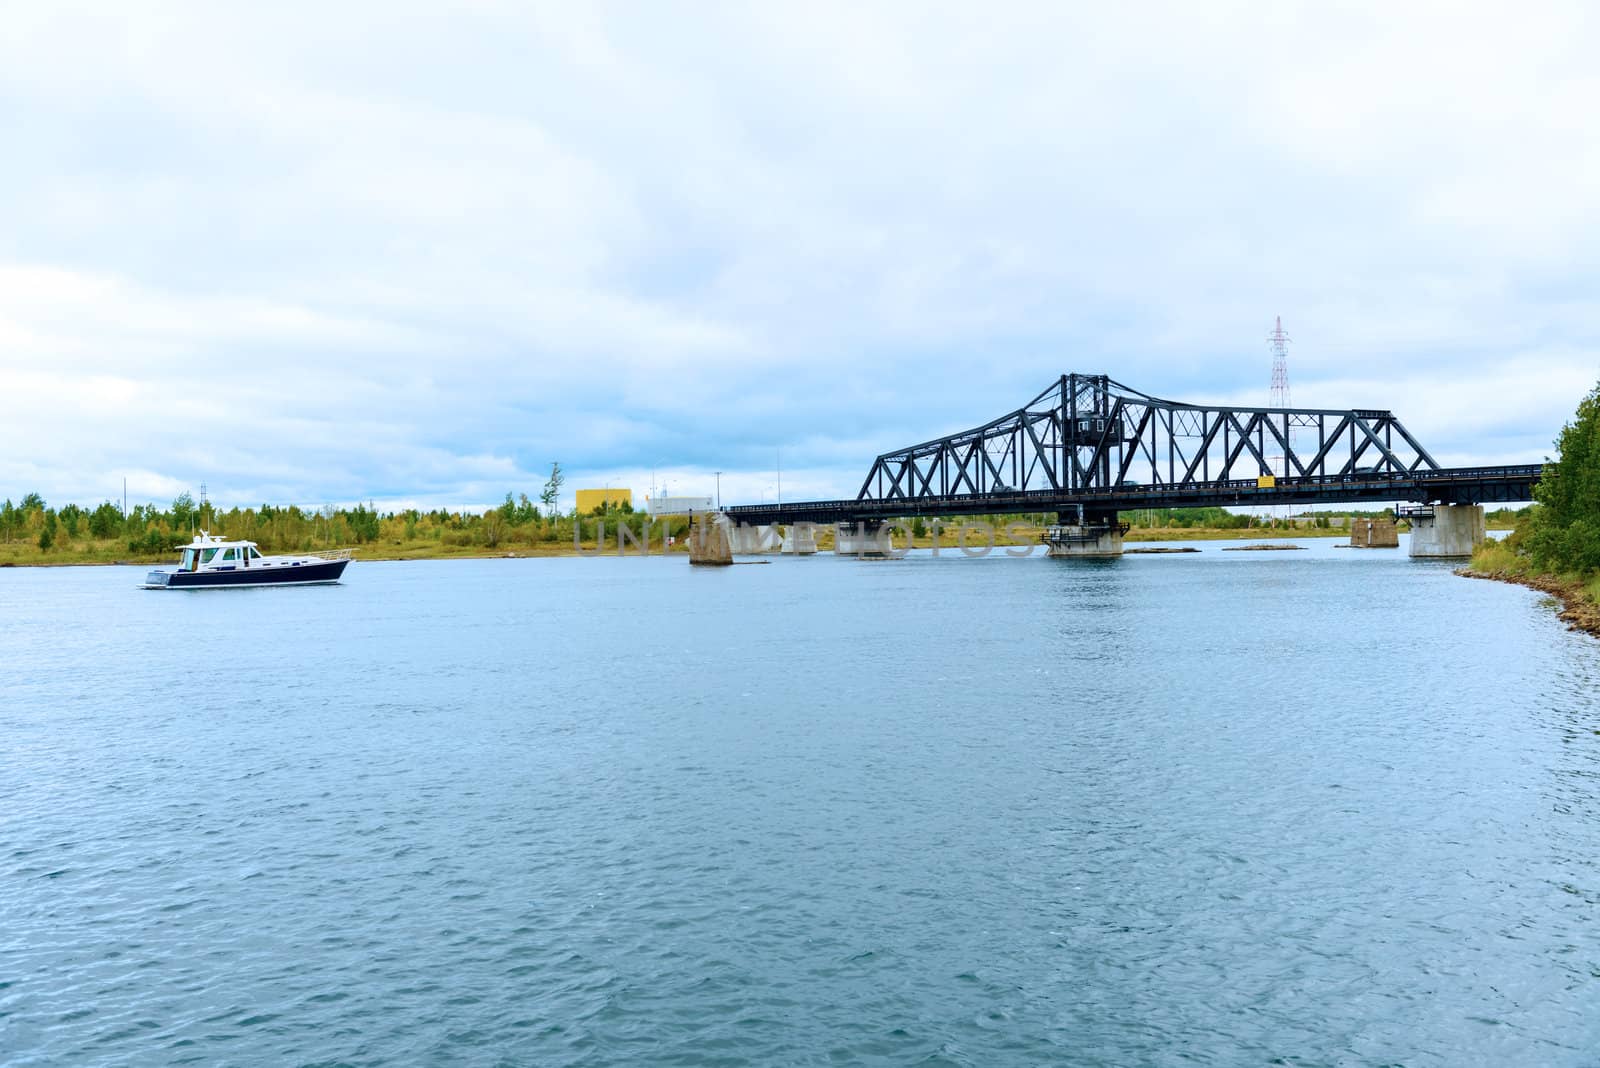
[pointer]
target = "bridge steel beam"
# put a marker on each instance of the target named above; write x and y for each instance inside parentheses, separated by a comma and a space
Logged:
(1485, 485)
(1089, 440)
(1090, 433)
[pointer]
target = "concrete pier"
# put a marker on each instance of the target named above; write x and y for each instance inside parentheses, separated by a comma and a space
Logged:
(867, 539)
(1373, 534)
(1085, 535)
(800, 539)
(1446, 530)
(752, 541)
(710, 542)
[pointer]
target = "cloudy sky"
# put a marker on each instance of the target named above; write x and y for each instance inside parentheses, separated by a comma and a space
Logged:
(414, 253)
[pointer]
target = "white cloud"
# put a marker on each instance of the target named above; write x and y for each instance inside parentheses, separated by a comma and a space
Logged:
(451, 246)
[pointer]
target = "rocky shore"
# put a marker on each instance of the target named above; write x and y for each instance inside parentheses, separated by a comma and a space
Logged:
(1578, 612)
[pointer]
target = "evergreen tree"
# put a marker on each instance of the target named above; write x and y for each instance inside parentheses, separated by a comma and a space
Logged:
(105, 521)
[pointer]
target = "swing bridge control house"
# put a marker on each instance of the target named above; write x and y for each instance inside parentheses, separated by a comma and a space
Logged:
(211, 562)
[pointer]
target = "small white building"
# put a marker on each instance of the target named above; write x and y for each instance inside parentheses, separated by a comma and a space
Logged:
(660, 506)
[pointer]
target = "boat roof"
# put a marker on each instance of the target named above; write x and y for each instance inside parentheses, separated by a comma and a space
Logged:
(207, 540)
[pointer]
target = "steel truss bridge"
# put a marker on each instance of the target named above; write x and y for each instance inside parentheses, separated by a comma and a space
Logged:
(1089, 447)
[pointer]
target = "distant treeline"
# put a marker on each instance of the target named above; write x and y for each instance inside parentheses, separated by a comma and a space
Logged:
(149, 529)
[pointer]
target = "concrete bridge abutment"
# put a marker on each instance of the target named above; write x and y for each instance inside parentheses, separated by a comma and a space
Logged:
(1085, 534)
(800, 539)
(710, 539)
(1446, 530)
(747, 540)
(870, 539)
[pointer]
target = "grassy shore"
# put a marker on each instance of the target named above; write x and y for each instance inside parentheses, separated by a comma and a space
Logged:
(81, 553)
(1579, 595)
(85, 551)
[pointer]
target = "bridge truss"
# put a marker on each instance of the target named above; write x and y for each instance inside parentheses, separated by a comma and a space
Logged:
(1092, 446)
(1088, 434)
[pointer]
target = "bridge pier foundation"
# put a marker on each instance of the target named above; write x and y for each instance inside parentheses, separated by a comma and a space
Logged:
(1446, 530)
(865, 539)
(747, 540)
(1083, 534)
(800, 539)
(710, 540)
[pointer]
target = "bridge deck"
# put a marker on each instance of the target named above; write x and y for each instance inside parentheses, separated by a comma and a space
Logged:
(1467, 485)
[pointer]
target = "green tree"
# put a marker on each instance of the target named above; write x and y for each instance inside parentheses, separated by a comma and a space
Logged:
(493, 525)
(183, 512)
(1564, 526)
(46, 539)
(552, 490)
(363, 523)
(105, 521)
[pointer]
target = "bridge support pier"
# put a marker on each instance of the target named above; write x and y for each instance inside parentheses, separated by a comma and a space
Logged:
(800, 539)
(1446, 530)
(865, 539)
(710, 540)
(747, 540)
(1085, 534)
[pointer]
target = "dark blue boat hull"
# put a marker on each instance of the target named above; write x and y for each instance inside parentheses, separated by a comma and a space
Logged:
(321, 571)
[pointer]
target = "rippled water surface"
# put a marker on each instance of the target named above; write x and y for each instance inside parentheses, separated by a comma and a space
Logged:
(1303, 808)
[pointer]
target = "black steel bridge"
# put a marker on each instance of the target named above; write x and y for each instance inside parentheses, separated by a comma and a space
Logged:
(1090, 447)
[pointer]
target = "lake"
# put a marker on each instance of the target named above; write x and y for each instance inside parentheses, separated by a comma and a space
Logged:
(1319, 807)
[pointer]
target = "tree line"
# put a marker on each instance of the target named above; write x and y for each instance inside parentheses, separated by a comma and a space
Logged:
(1560, 534)
(152, 530)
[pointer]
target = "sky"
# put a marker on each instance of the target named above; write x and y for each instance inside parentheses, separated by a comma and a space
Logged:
(413, 254)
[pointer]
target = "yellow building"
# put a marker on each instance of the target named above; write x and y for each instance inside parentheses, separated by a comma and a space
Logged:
(590, 499)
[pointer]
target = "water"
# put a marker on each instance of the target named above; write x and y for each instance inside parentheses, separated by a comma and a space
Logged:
(1304, 808)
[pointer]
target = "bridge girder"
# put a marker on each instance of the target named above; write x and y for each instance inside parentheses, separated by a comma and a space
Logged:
(1088, 434)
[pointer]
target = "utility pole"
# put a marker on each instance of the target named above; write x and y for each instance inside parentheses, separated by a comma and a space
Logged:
(1279, 396)
(719, 489)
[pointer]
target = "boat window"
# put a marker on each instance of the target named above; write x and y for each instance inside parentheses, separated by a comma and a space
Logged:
(206, 555)
(255, 554)
(188, 560)
(227, 555)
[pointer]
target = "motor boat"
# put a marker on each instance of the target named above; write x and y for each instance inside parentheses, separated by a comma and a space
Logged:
(211, 562)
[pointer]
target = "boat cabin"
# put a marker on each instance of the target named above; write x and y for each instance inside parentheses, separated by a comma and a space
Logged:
(211, 553)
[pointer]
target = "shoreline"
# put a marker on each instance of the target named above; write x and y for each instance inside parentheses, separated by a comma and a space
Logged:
(377, 552)
(372, 553)
(1577, 611)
